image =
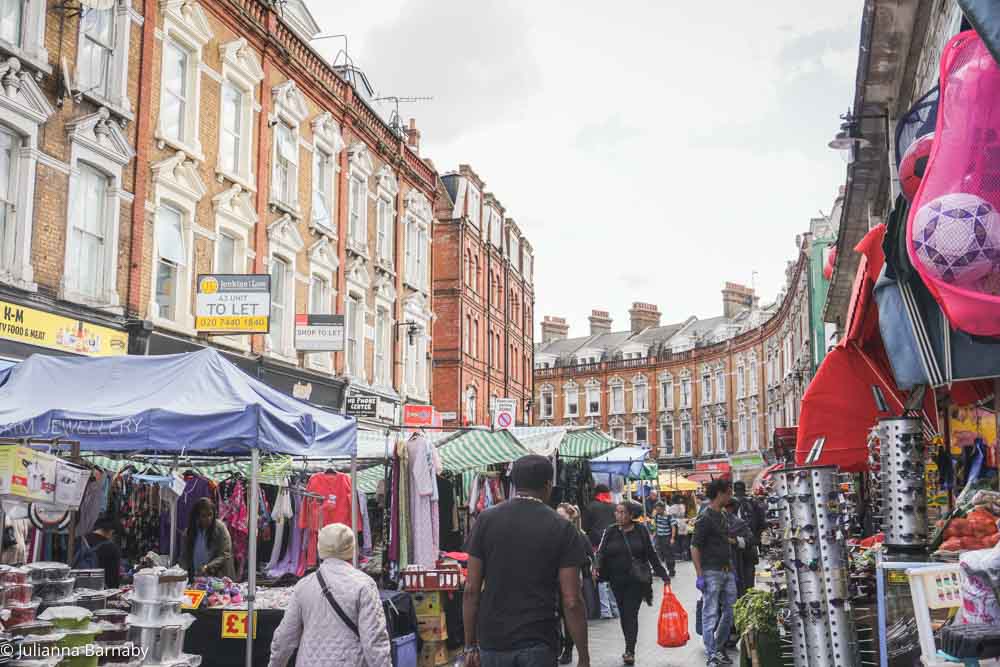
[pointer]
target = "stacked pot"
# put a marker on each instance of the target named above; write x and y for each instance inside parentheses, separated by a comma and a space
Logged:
(813, 516)
(156, 623)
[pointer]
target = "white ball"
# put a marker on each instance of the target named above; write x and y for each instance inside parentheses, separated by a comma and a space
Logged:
(957, 238)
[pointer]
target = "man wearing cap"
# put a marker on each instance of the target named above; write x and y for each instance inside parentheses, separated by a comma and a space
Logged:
(523, 557)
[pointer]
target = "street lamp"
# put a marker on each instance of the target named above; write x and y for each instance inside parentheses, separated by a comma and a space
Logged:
(412, 330)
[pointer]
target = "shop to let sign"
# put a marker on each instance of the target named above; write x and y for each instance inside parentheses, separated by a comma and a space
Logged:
(192, 599)
(36, 327)
(234, 625)
(319, 333)
(233, 304)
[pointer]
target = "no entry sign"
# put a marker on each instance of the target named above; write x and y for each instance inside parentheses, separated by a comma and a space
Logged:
(503, 413)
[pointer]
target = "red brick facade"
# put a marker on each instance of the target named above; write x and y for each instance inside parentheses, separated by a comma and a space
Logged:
(483, 304)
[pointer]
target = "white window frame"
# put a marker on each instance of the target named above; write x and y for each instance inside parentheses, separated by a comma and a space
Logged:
(687, 439)
(474, 205)
(637, 423)
(416, 310)
(720, 436)
(385, 218)
(571, 399)
(24, 108)
(385, 301)
(754, 429)
(471, 405)
(290, 110)
(100, 143)
(686, 401)
(240, 69)
(323, 263)
(706, 388)
(743, 440)
(118, 74)
(546, 393)
(593, 394)
(328, 142)
(360, 168)
(285, 241)
(354, 309)
(616, 386)
(281, 330)
(186, 26)
(640, 394)
(31, 39)
(359, 283)
(666, 427)
(753, 375)
(616, 426)
(666, 386)
(235, 216)
(417, 220)
(706, 435)
(741, 385)
(720, 385)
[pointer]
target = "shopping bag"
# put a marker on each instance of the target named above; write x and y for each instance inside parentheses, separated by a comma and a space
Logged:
(697, 617)
(673, 625)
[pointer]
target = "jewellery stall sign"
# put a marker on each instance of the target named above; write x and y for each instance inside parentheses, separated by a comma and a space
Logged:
(55, 332)
(233, 304)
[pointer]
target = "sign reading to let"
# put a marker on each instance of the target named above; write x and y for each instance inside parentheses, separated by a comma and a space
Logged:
(233, 304)
(319, 333)
(36, 327)
(234, 625)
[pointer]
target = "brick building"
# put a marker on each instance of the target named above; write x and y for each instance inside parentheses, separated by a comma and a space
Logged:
(483, 302)
(694, 390)
(67, 175)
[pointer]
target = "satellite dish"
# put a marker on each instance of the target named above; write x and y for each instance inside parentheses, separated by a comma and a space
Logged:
(97, 4)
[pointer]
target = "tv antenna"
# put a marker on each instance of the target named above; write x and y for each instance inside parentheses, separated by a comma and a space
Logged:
(395, 122)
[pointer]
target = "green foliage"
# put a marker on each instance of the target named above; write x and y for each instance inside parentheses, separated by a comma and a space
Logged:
(756, 612)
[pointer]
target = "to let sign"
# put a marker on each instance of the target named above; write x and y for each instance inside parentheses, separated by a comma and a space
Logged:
(234, 625)
(319, 333)
(362, 406)
(233, 304)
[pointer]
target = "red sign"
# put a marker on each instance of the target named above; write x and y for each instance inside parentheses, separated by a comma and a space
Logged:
(420, 415)
(713, 466)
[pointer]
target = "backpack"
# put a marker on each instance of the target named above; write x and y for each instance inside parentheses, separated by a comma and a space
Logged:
(86, 556)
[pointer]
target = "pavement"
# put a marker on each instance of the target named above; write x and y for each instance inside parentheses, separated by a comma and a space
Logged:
(607, 644)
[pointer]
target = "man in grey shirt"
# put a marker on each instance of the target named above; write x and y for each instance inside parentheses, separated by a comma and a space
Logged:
(711, 551)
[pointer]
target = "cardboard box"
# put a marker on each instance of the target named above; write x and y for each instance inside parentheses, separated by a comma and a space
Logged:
(432, 628)
(427, 603)
(27, 473)
(433, 654)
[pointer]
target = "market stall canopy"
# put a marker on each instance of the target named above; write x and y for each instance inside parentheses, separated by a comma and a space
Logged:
(196, 402)
(586, 444)
(477, 449)
(625, 461)
(674, 482)
(544, 440)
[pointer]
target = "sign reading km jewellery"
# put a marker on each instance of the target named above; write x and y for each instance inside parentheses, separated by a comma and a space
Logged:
(233, 304)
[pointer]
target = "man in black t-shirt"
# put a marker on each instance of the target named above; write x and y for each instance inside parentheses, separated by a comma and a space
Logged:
(109, 556)
(522, 558)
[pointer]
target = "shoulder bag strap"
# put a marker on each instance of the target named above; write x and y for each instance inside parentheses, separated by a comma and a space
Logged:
(352, 626)
(628, 547)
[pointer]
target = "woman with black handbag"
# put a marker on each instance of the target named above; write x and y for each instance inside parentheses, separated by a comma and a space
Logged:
(628, 560)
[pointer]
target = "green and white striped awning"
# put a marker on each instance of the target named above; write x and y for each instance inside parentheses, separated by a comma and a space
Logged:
(369, 478)
(586, 444)
(215, 471)
(471, 450)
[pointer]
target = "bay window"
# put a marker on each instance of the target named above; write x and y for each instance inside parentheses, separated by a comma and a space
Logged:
(170, 258)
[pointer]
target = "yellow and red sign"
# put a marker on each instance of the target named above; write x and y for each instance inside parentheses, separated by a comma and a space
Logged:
(192, 599)
(36, 327)
(234, 625)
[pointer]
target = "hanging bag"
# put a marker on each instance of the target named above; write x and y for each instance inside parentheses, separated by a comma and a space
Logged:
(672, 630)
(639, 571)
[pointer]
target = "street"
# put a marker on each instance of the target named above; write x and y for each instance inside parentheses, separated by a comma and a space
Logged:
(607, 645)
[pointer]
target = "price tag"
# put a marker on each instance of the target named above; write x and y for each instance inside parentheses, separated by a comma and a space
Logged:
(234, 625)
(192, 599)
(895, 577)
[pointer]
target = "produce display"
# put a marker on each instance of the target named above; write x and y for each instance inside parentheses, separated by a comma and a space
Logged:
(971, 526)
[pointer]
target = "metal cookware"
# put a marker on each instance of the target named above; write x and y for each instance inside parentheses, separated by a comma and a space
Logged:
(160, 584)
(92, 579)
(113, 616)
(50, 590)
(47, 571)
(32, 628)
(153, 612)
(161, 645)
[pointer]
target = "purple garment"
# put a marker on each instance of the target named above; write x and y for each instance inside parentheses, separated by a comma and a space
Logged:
(195, 489)
(289, 564)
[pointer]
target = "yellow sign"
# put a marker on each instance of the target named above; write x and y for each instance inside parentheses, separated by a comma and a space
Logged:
(895, 577)
(36, 327)
(233, 304)
(27, 473)
(192, 599)
(246, 324)
(970, 423)
(234, 625)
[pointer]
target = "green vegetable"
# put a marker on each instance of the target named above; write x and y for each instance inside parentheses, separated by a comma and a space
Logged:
(756, 612)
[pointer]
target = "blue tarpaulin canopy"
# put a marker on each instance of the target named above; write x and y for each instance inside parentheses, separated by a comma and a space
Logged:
(624, 461)
(196, 402)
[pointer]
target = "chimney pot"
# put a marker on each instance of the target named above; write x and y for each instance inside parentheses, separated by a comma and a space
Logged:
(643, 316)
(600, 322)
(554, 328)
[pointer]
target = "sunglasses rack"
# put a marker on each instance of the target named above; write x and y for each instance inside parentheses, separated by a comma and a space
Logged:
(902, 484)
(875, 477)
(812, 511)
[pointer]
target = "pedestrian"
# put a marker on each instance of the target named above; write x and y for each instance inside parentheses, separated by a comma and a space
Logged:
(600, 514)
(678, 510)
(627, 559)
(752, 513)
(208, 548)
(651, 500)
(335, 614)
(99, 550)
(523, 559)
(711, 551)
(572, 514)
(743, 552)
(666, 536)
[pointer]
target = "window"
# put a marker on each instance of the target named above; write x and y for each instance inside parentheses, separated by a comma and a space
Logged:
(706, 436)
(686, 393)
(740, 382)
(640, 396)
(666, 394)
(753, 377)
(319, 296)
(475, 338)
(11, 18)
(231, 136)
(572, 402)
(706, 389)
(754, 430)
(226, 254)
(666, 439)
(241, 76)
(170, 248)
(8, 192)
(547, 402)
(382, 348)
(641, 435)
(685, 438)
(720, 386)
(321, 183)
(353, 325)
(97, 46)
(720, 436)
(279, 302)
(416, 254)
(174, 104)
(515, 252)
(359, 198)
(286, 160)
(617, 398)
(468, 334)
(475, 273)
(470, 405)
(743, 432)
(593, 400)
(385, 235)
(88, 229)
(474, 206)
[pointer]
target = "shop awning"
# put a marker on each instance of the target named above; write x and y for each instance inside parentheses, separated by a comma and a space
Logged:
(542, 440)
(469, 450)
(673, 482)
(586, 444)
(197, 402)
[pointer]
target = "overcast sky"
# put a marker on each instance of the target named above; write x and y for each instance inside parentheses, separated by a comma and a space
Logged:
(650, 150)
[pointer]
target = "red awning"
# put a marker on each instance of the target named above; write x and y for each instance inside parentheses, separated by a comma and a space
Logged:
(758, 482)
(706, 477)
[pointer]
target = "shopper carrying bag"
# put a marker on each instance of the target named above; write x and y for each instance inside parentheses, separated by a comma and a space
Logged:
(672, 630)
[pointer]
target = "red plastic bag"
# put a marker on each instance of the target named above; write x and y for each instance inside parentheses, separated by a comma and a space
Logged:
(673, 625)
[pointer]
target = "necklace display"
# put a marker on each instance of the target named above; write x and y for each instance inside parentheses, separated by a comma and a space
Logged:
(532, 498)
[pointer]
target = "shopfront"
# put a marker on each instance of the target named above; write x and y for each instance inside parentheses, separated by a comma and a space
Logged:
(34, 329)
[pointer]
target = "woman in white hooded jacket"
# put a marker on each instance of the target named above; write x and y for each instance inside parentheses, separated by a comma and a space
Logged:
(312, 625)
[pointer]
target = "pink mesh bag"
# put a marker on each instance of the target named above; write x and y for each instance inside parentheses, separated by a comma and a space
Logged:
(953, 228)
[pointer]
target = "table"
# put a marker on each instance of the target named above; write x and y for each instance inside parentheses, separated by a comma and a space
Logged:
(204, 638)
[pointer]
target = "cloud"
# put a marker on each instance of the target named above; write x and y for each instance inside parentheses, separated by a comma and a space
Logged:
(608, 135)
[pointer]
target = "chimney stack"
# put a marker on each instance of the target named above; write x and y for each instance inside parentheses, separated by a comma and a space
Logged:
(413, 136)
(554, 328)
(736, 298)
(644, 315)
(600, 322)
